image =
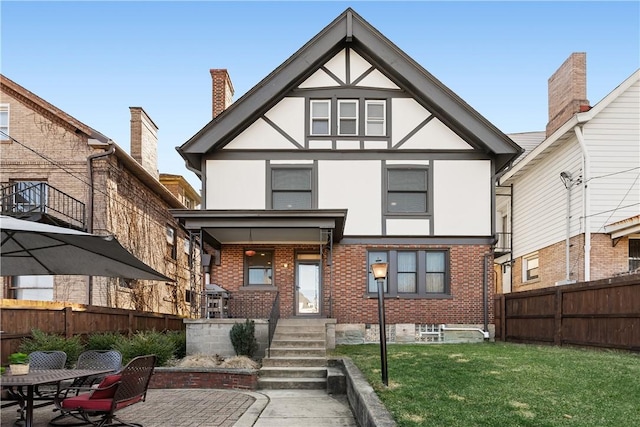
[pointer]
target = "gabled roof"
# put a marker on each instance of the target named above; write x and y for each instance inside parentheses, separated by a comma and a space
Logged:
(566, 131)
(94, 137)
(350, 30)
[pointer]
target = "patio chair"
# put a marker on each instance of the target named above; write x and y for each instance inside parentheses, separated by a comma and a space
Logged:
(90, 359)
(44, 394)
(99, 406)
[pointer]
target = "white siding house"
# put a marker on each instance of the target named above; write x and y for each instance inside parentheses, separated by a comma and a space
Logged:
(574, 187)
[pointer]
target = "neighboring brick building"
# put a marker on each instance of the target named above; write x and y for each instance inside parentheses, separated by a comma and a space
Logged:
(56, 169)
(572, 201)
(346, 153)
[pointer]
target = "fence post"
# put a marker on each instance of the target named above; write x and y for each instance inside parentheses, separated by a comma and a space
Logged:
(131, 320)
(503, 318)
(68, 322)
(557, 336)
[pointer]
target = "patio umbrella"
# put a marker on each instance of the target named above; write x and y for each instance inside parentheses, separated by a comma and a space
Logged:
(32, 248)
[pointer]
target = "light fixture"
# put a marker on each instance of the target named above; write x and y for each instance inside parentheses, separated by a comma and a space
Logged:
(379, 270)
(250, 252)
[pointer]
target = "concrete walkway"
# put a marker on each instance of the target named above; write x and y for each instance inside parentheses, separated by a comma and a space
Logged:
(225, 408)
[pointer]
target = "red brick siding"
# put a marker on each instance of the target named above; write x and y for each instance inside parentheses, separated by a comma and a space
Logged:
(344, 286)
(176, 378)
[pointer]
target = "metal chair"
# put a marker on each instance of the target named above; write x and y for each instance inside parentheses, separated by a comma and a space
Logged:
(38, 360)
(114, 392)
(47, 359)
(90, 359)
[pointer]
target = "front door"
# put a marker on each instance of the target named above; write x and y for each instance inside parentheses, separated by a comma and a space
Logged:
(308, 293)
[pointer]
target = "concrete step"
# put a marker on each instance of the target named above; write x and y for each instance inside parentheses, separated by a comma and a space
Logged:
(299, 361)
(292, 343)
(293, 372)
(304, 321)
(297, 351)
(297, 329)
(292, 383)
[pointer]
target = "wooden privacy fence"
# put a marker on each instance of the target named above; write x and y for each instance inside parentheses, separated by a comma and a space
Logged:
(18, 318)
(603, 313)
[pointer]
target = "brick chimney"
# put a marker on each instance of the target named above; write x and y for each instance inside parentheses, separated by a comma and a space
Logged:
(567, 91)
(144, 140)
(221, 91)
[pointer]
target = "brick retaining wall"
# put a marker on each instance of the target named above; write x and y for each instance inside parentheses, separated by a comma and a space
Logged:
(245, 379)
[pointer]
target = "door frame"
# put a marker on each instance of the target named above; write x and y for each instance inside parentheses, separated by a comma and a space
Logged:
(297, 263)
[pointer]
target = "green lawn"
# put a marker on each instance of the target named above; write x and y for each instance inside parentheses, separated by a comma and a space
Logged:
(503, 385)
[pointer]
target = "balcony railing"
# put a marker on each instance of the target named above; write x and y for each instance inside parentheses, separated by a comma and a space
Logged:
(503, 245)
(26, 199)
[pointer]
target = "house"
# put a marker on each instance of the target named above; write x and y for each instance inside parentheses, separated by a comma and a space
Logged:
(571, 203)
(58, 170)
(347, 153)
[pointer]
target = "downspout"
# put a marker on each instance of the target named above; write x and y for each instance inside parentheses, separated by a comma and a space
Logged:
(586, 202)
(90, 158)
(485, 292)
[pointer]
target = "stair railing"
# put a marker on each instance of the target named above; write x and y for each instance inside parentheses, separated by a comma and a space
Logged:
(273, 320)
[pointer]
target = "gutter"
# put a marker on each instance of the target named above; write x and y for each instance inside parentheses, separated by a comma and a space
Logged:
(90, 159)
(586, 197)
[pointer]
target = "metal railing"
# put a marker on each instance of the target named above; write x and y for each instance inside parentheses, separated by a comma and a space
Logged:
(273, 320)
(24, 198)
(503, 245)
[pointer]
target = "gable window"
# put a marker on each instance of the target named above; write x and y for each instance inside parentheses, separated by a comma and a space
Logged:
(258, 268)
(291, 188)
(376, 118)
(407, 190)
(347, 117)
(4, 122)
(421, 273)
(530, 268)
(320, 117)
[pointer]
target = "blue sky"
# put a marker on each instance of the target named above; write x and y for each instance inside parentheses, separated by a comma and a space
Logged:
(95, 59)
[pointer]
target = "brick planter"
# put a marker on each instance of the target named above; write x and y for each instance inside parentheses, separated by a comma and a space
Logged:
(245, 379)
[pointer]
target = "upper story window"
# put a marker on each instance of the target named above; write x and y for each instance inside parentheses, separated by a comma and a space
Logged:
(258, 268)
(4, 122)
(421, 273)
(291, 188)
(376, 124)
(320, 117)
(171, 242)
(407, 190)
(29, 196)
(530, 267)
(347, 117)
(634, 254)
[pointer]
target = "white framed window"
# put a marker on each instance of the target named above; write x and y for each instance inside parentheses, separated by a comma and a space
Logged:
(4, 122)
(634, 253)
(375, 112)
(530, 267)
(347, 117)
(320, 117)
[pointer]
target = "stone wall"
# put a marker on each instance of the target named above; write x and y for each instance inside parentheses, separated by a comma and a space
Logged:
(211, 336)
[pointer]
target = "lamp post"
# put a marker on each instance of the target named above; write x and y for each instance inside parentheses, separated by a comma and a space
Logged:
(379, 270)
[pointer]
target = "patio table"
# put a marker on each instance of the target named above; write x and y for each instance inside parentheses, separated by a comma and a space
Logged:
(44, 376)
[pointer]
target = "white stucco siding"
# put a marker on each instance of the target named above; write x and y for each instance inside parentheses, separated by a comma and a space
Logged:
(288, 115)
(377, 79)
(337, 65)
(613, 141)
(539, 200)
(356, 186)
(408, 227)
(435, 135)
(462, 197)
(406, 115)
(318, 79)
(236, 184)
(261, 136)
(358, 65)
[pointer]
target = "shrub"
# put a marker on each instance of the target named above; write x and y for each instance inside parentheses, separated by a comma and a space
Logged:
(179, 339)
(42, 341)
(243, 338)
(103, 340)
(146, 342)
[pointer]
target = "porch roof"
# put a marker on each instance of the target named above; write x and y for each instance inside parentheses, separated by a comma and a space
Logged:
(257, 227)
